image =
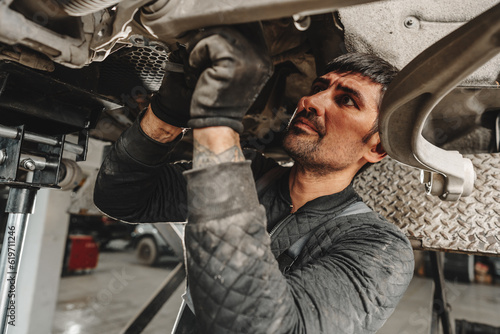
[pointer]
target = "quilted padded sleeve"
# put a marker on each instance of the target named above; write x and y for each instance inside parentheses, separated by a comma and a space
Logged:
(136, 185)
(234, 278)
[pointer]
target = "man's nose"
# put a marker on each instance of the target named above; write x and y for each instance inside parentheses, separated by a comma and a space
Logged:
(311, 105)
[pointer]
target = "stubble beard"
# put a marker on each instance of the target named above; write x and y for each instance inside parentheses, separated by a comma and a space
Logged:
(299, 146)
(305, 150)
(309, 156)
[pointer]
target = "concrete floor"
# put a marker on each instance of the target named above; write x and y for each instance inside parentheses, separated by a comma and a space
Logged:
(472, 302)
(105, 300)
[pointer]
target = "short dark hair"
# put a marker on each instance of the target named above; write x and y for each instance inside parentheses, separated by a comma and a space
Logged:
(368, 65)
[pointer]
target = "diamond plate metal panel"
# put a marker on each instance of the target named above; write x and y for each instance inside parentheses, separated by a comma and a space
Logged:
(470, 225)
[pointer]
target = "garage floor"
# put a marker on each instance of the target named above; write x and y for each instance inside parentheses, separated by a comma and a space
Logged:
(105, 300)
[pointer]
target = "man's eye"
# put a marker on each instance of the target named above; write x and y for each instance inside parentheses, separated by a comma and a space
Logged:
(346, 100)
(316, 89)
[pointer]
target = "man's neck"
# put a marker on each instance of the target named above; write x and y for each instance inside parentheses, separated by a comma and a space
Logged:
(305, 185)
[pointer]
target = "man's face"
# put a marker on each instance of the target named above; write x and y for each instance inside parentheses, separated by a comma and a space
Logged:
(330, 128)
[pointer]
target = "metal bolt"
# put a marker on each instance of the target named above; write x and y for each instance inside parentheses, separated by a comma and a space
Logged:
(28, 164)
(411, 22)
(428, 187)
(302, 23)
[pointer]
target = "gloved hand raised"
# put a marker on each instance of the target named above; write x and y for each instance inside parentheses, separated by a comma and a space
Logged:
(171, 103)
(233, 70)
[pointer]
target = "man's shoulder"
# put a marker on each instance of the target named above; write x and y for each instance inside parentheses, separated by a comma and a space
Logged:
(364, 225)
(374, 220)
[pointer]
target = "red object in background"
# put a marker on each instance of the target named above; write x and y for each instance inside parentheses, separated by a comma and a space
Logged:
(83, 253)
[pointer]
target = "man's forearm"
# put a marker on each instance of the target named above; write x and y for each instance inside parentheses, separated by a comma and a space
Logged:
(136, 184)
(215, 145)
(158, 130)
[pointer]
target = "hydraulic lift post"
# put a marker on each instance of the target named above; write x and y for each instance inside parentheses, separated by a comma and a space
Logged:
(28, 162)
(20, 205)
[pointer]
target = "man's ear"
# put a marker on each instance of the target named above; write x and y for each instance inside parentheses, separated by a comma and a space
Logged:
(376, 152)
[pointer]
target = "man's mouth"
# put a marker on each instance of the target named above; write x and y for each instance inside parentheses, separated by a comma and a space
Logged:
(307, 123)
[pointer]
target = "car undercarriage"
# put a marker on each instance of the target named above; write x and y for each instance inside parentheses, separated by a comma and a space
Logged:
(110, 56)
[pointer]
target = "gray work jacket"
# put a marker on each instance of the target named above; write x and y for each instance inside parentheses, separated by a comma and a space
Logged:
(348, 279)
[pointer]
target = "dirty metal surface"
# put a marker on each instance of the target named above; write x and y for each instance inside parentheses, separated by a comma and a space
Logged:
(470, 225)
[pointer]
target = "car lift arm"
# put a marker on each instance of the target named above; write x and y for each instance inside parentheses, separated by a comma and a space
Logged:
(417, 89)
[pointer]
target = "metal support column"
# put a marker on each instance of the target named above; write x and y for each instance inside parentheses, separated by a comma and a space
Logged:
(440, 307)
(28, 162)
(19, 205)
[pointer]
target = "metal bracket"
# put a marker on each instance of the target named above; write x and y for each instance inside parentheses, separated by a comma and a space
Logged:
(119, 28)
(11, 149)
(38, 155)
(421, 85)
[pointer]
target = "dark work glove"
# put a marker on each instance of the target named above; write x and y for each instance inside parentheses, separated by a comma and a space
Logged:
(233, 70)
(172, 102)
